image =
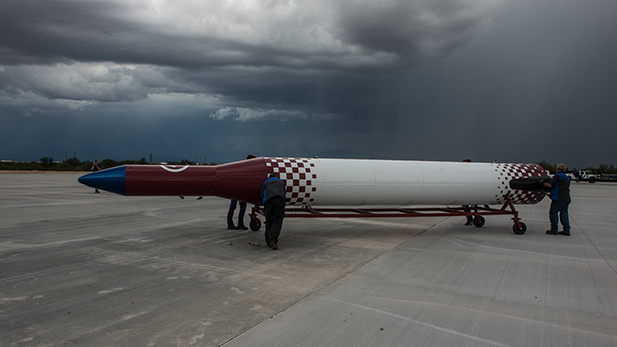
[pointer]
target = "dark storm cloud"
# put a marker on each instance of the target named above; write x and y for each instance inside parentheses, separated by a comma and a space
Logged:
(424, 79)
(44, 32)
(63, 31)
(214, 48)
(411, 29)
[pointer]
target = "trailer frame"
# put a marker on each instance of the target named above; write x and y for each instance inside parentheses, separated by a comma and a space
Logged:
(476, 211)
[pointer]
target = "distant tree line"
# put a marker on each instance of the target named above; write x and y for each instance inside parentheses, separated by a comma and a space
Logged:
(600, 170)
(74, 164)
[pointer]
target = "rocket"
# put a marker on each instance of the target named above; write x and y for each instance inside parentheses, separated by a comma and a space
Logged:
(334, 182)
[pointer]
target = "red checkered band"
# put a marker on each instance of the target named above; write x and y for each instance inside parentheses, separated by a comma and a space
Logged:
(298, 175)
(507, 172)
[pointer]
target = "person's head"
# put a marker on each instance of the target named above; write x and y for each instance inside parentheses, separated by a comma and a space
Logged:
(466, 160)
(561, 167)
(96, 161)
(250, 156)
(273, 175)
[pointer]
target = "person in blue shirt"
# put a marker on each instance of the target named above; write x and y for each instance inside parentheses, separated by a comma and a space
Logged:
(560, 200)
(273, 198)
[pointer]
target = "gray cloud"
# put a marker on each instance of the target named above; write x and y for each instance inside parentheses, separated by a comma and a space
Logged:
(425, 79)
(413, 29)
(109, 51)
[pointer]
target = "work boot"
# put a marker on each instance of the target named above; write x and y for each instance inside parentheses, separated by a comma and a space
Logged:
(564, 233)
(242, 227)
(232, 227)
(551, 232)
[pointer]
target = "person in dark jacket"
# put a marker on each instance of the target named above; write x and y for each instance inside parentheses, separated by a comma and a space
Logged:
(560, 200)
(232, 208)
(467, 207)
(95, 167)
(273, 198)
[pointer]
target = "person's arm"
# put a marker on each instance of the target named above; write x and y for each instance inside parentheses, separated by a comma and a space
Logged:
(552, 182)
(263, 191)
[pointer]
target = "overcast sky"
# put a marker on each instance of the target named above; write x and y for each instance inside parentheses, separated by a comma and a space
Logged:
(490, 80)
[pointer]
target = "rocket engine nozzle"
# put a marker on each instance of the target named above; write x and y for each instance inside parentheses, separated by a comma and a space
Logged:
(531, 184)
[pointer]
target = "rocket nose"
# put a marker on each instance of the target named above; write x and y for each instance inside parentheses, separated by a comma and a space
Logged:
(112, 180)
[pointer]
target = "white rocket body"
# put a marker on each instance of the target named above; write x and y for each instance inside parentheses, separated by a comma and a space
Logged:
(356, 182)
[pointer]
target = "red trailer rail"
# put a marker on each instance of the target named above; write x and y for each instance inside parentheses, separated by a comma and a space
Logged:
(477, 212)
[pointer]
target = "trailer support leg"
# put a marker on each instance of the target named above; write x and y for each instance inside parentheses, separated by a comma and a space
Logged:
(519, 228)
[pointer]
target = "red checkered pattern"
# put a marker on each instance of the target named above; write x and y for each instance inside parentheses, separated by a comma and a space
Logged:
(298, 175)
(507, 172)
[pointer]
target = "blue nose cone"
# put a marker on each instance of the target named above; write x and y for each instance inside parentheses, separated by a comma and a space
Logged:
(112, 180)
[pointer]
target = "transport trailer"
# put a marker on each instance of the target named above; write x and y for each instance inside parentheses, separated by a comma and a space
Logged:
(475, 211)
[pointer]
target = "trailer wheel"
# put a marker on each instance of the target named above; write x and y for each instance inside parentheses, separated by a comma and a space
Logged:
(479, 221)
(255, 224)
(521, 230)
(592, 180)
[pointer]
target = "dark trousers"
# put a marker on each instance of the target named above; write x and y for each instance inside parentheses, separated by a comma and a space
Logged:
(559, 212)
(275, 212)
(230, 214)
(469, 218)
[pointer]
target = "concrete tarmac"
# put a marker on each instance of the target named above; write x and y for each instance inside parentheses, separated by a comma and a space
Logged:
(85, 269)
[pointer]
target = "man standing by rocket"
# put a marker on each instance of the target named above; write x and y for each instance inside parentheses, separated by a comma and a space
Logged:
(273, 198)
(560, 199)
